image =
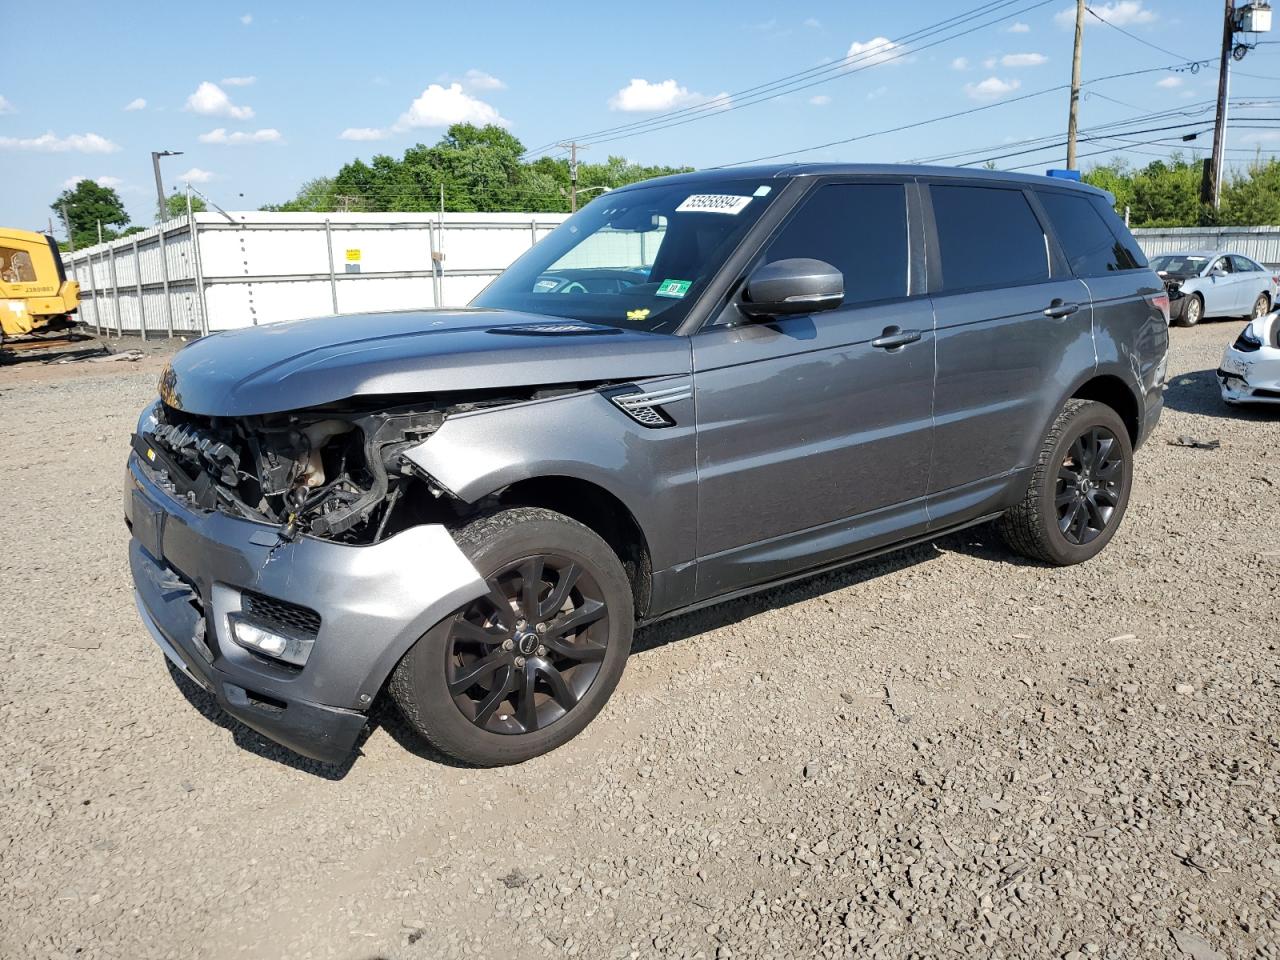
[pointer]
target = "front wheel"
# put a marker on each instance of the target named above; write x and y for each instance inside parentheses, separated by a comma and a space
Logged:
(524, 668)
(1079, 487)
(1192, 311)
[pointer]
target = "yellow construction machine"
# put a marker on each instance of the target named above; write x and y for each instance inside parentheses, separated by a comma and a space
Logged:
(36, 298)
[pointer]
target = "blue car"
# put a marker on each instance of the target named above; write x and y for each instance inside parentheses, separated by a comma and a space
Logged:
(1214, 283)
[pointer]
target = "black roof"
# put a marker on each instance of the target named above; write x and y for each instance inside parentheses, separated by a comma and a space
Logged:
(788, 170)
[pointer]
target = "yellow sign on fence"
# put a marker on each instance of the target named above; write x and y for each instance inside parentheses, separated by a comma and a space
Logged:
(353, 255)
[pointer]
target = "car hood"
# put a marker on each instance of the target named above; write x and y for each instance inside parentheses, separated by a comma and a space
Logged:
(305, 363)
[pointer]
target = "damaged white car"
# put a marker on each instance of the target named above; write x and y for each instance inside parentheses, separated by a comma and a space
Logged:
(1250, 368)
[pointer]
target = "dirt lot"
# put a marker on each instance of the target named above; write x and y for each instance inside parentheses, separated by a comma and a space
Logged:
(947, 752)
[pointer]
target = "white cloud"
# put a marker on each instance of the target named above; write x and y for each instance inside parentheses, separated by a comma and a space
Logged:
(877, 93)
(813, 23)
(220, 136)
(49, 143)
(246, 18)
(1120, 13)
(875, 51)
(5, 105)
(640, 96)
(820, 100)
(362, 133)
(239, 81)
(196, 175)
(211, 100)
(137, 103)
(990, 63)
(960, 63)
(479, 80)
(1169, 83)
(1270, 136)
(1019, 27)
(1023, 59)
(439, 106)
(991, 88)
(112, 182)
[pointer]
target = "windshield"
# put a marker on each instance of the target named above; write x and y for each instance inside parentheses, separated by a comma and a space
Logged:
(1179, 264)
(637, 258)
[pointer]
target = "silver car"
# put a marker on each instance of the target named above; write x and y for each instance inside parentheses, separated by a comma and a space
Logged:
(1214, 283)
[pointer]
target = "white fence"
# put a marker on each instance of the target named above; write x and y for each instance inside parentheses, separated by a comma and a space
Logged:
(1260, 243)
(248, 268)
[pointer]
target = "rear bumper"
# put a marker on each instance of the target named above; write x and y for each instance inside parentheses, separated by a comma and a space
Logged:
(190, 570)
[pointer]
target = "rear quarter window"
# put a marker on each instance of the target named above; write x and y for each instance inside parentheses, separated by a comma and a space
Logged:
(1091, 246)
(987, 237)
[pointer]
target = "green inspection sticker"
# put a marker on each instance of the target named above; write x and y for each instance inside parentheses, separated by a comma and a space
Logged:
(676, 289)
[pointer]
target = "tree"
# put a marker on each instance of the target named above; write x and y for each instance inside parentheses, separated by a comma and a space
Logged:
(480, 168)
(88, 204)
(1253, 198)
(175, 205)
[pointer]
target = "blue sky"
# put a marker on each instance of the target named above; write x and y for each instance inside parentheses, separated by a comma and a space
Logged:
(261, 97)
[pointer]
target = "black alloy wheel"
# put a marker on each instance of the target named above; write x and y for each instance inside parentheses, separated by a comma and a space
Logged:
(524, 655)
(1089, 485)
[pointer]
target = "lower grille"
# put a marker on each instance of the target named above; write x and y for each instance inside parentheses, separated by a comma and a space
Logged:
(280, 613)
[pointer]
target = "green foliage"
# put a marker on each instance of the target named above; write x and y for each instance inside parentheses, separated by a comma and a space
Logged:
(175, 205)
(1167, 193)
(315, 196)
(480, 168)
(87, 204)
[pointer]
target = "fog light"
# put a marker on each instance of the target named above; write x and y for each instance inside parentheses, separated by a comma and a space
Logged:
(278, 646)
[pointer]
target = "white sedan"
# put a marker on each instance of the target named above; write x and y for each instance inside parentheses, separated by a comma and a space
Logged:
(1215, 283)
(1250, 368)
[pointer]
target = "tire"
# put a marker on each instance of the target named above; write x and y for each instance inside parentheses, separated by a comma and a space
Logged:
(524, 700)
(1035, 526)
(1261, 307)
(1192, 311)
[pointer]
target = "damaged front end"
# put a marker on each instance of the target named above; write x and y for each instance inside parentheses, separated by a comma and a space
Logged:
(336, 472)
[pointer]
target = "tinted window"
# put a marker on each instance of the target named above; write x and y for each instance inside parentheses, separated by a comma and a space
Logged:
(1134, 258)
(1088, 242)
(861, 229)
(987, 237)
(1244, 265)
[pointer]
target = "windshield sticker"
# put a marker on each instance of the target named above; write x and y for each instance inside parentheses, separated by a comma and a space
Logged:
(713, 203)
(762, 191)
(676, 289)
(641, 314)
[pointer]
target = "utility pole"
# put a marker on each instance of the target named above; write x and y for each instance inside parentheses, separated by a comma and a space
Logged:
(573, 149)
(66, 222)
(1211, 190)
(1073, 116)
(161, 207)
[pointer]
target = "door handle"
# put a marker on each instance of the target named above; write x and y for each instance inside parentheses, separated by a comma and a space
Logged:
(893, 338)
(1059, 309)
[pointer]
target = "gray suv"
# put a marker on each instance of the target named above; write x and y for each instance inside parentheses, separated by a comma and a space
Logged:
(696, 387)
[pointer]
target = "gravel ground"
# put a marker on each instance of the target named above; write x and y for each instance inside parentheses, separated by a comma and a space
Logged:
(946, 752)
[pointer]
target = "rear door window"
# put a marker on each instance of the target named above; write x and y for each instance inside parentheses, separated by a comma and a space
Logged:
(858, 228)
(1091, 248)
(1131, 255)
(988, 237)
(1244, 265)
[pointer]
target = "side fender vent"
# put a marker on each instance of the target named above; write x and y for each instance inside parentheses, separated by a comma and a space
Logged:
(646, 409)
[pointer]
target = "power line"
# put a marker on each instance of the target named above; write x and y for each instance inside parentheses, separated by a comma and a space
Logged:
(895, 50)
(949, 116)
(1132, 36)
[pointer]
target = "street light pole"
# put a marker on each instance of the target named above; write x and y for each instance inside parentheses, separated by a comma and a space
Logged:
(155, 165)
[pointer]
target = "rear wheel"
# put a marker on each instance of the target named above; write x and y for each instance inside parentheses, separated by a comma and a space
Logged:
(524, 668)
(1192, 311)
(1261, 306)
(1079, 488)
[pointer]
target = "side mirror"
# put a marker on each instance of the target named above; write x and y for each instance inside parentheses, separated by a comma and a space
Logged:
(788, 287)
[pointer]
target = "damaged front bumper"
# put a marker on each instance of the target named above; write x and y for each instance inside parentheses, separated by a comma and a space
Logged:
(196, 572)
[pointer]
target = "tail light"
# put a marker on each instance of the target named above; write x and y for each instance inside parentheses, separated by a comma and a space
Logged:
(1161, 302)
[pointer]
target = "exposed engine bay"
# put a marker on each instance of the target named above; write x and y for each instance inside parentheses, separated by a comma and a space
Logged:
(334, 472)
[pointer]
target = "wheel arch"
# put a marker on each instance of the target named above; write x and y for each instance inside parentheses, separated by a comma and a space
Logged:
(598, 509)
(1116, 393)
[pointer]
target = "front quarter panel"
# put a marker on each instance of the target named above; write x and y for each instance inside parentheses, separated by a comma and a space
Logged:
(587, 437)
